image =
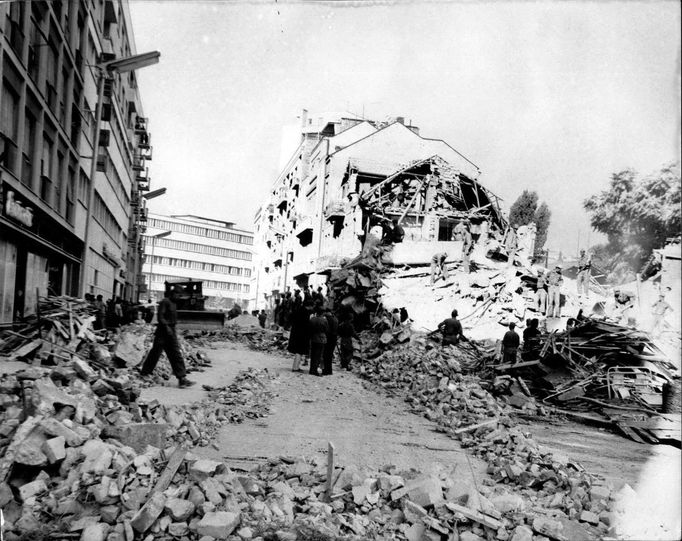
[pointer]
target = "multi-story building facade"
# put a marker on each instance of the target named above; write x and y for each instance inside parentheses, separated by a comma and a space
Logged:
(349, 174)
(48, 99)
(183, 248)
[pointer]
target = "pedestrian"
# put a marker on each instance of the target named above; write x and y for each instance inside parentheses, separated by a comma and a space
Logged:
(510, 345)
(330, 346)
(118, 312)
(438, 267)
(165, 339)
(404, 316)
(299, 337)
(584, 272)
(541, 292)
(554, 282)
(530, 338)
(346, 335)
(262, 318)
(276, 312)
(149, 311)
(398, 233)
(100, 312)
(307, 297)
(318, 339)
(511, 244)
(659, 309)
(451, 329)
(467, 248)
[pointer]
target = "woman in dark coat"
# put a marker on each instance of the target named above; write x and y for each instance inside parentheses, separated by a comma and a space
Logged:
(299, 337)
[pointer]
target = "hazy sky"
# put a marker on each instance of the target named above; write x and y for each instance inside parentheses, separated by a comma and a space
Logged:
(547, 96)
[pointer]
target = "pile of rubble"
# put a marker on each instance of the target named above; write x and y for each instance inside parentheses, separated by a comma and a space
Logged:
(435, 387)
(255, 338)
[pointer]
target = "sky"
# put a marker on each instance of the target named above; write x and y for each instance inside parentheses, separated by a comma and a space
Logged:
(545, 96)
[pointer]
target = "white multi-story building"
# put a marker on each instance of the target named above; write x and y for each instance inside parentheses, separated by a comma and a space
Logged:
(183, 248)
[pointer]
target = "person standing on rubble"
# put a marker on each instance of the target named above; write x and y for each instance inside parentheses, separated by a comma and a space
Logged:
(318, 339)
(165, 339)
(510, 345)
(530, 338)
(584, 272)
(262, 318)
(467, 248)
(397, 233)
(659, 309)
(438, 267)
(451, 329)
(554, 282)
(330, 346)
(541, 292)
(299, 337)
(100, 313)
(346, 335)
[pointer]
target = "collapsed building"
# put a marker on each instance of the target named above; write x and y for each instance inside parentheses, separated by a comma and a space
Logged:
(349, 175)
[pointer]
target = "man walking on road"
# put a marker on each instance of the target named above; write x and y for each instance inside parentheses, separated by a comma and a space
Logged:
(330, 346)
(584, 272)
(165, 339)
(346, 334)
(318, 338)
(554, 282)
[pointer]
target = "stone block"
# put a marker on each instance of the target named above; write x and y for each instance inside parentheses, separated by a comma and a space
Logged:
(139, 435)
(204, 468)
(54, 450)
(505, 503)
(522, 533)
(32, 489)
(95, 532)
(97, 455)
(218, 524)
(149, 512)
(549, 527)
(83, 369)
(55, 428)
(179, 509)
(589, 517)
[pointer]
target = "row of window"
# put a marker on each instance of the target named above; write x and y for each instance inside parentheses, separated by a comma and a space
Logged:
(106, 219)
(200, 231)
(203, 249)
(200, 265)
(207, 284)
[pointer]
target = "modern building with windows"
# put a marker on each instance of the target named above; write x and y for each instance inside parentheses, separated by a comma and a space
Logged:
(183, 248)
(48, 99)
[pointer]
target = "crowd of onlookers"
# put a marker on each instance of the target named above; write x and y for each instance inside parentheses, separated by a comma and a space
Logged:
(317, 334)
(117, 311)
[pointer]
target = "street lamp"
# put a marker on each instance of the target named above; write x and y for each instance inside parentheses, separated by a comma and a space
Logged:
(154, 193)
(153, 238)
(104, 72)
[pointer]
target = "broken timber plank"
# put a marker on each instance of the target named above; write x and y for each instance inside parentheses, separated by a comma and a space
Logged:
(489, 522)
(476, 426)
(174, 462)
(330, 468)
(502, 367)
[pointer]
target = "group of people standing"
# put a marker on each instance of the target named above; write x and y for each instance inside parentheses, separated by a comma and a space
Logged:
(315, 333)
(116, 311)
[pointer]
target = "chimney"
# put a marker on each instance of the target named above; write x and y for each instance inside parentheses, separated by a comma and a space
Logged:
(304, 119)
(400, 119)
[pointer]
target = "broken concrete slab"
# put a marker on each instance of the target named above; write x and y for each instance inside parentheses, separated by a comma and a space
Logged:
(218, 524)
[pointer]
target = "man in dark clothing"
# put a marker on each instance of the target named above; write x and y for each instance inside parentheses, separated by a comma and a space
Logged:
(262, 318)
(330, 346)
(398, 232)
(404, 316)
(530, 339)
(346, 335)
(510, 345)
(318, 327)
(166, 340)
(276, 312)
(451, 329)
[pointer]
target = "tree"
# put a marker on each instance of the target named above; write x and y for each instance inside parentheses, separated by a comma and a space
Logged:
(541, 218)
(523, 210)
(637, 214)
(526, 210)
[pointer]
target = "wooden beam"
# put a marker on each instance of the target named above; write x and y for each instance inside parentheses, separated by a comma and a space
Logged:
(174, 463)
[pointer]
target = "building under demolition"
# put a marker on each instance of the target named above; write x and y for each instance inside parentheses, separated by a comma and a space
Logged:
(350, 176)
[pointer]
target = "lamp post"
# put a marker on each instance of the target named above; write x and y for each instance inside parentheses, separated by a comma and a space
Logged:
(104, 72)
(151, 263)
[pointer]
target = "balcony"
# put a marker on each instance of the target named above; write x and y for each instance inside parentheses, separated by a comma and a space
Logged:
(140, 124)
(138, 163)
(335, 210)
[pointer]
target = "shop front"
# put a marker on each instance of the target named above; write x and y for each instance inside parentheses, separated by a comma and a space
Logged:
(38, 256)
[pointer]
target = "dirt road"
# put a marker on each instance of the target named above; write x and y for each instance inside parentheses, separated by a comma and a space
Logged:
(372, 429)
(367, 429)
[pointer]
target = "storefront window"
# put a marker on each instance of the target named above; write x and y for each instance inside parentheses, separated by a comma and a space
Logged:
(8, 271)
